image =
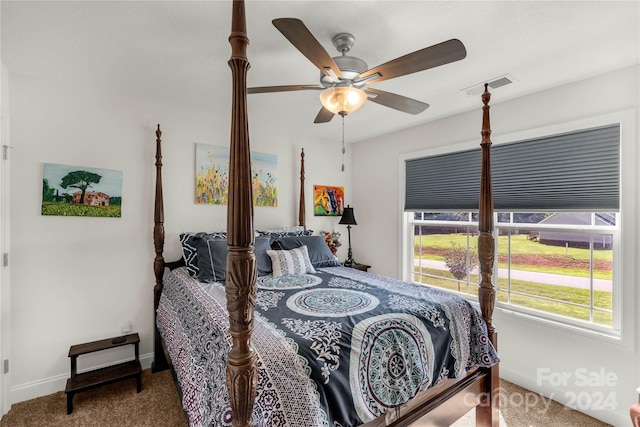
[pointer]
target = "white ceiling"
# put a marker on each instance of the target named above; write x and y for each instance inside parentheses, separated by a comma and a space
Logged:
(176, 51)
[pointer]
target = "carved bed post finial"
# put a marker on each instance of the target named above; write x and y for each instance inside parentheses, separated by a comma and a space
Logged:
(301, 210)
(242, 374)
(486, 245)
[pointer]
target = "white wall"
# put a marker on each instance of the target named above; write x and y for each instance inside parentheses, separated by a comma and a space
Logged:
(524, 347)
(76, 279)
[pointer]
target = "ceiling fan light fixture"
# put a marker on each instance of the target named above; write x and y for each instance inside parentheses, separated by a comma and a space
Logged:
(343, 100)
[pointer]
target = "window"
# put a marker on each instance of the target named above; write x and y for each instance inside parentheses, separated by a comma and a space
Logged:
(557, 225)
(445, 250)
(556, 265)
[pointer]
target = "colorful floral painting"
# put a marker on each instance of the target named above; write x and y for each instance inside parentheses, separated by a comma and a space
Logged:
(212, 176)
(328, 200)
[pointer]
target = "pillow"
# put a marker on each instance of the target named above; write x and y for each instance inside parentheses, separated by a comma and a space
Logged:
(319, 252)
(212, 257)
(261, 246)
(275, 235)
(294, 261)
(189, 249)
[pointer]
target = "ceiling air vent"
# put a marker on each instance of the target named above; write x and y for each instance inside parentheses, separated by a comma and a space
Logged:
(493, 84)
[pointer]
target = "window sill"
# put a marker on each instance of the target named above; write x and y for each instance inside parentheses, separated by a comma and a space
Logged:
(609, 337)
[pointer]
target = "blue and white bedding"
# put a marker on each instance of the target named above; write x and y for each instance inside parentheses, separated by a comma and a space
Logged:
(338, 348)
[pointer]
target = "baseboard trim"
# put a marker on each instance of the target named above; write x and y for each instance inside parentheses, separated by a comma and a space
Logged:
(45, 386)
(617, 417)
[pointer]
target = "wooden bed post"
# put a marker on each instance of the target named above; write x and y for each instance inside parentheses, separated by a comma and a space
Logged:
(487, 413)
(159, 358)
(301, 210)
(242, 374)
(486, 245)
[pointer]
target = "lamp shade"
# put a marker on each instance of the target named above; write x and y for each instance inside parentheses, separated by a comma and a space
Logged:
(343, 99)
(347, 217)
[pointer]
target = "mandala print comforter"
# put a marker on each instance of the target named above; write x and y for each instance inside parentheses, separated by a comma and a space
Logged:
(338, 348)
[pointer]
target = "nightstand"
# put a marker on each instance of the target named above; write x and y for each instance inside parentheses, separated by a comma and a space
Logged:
(361, 267)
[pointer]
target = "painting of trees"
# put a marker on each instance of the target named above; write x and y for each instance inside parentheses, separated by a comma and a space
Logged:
(81, 191)
(80, 180)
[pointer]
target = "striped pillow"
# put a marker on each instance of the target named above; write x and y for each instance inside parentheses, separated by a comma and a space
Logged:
(294, 261)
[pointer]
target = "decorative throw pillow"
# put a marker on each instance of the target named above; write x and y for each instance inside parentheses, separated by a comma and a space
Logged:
(319, 253)
(261, 246)
(294, 261)
(212, 257)
(189, 249)
(275, 235)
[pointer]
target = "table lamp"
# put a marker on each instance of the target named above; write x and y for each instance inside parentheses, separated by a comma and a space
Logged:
(348, 219)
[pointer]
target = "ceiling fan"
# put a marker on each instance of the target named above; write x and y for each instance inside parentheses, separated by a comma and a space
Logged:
(345, 80)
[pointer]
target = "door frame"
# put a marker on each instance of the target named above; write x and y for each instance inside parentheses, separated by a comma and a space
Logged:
(5, 294)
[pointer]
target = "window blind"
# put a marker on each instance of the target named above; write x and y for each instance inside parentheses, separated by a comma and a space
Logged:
(574, 171)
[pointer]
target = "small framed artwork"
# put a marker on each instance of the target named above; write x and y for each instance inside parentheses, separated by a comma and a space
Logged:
(328, 200)
(81, 191)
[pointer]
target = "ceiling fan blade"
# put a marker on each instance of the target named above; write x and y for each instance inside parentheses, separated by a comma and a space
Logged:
(423, 59)
(299, 35)
(397, 102)
(289, 88)
(324, 116)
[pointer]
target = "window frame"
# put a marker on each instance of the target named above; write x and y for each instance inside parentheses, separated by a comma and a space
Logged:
(623, 332)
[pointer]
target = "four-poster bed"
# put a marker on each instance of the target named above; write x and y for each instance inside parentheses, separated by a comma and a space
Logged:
(435, 384)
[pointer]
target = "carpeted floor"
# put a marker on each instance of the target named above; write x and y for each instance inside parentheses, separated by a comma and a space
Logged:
(117, 404)
(157, 405)
(520, 407)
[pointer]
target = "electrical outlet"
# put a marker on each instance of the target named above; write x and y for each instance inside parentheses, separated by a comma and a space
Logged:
(125, 326)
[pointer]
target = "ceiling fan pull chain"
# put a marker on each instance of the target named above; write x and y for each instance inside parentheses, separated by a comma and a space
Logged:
(343, 143)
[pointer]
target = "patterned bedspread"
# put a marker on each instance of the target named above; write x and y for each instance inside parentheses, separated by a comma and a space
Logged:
(338, 348)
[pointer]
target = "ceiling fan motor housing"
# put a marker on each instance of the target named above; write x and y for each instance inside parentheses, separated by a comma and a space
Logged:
(350, 67)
